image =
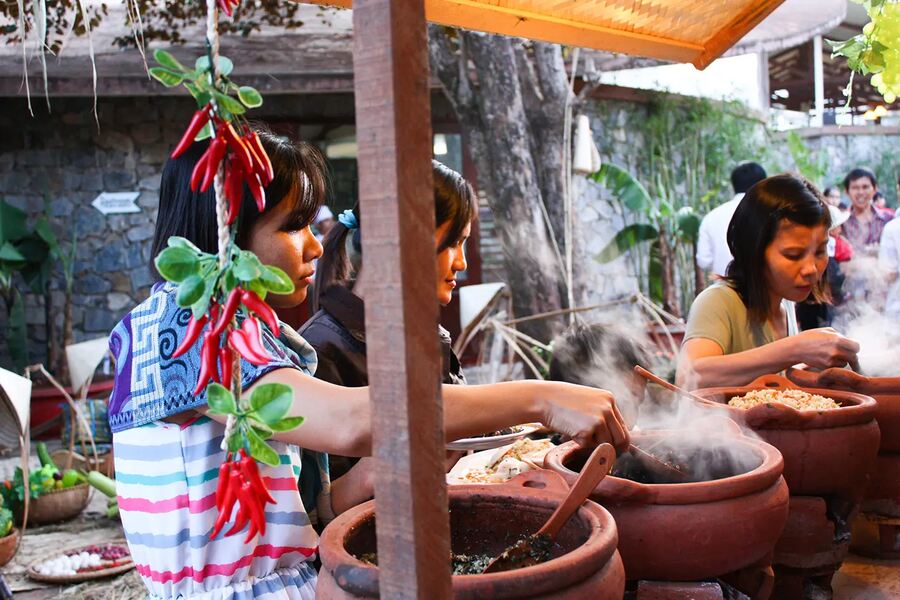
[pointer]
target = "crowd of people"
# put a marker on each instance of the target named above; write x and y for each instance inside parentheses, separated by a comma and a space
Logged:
(765, 251)
(863, 248)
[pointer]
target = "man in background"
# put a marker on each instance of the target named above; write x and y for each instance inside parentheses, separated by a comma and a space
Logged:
(863, 228)
(323, 222)
(713, 254)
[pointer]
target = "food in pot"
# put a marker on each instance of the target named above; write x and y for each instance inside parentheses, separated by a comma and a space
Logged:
(475, 564)
(504, 431)
(796, 399)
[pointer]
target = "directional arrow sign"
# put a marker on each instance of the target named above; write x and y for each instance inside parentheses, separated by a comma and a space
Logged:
(110, 203)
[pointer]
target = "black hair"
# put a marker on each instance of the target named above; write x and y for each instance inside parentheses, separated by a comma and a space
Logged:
(827, 191)
(192, 215)
(581, 349)
(454, 201)
(745, 175)
(859, 173)
(755, 224)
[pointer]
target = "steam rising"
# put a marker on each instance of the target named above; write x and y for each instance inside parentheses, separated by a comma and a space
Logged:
(603, 355)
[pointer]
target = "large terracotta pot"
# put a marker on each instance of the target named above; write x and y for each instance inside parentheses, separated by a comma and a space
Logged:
(697, 530)
(885, 391)
(826, 453)
(485, 519)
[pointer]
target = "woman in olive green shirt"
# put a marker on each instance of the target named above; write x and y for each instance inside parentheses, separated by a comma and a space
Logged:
(744, 326)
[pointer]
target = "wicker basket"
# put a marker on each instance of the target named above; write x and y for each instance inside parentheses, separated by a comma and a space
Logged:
(9, 544)
(58, 505)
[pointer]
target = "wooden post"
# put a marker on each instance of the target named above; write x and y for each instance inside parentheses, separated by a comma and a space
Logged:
(393, 132)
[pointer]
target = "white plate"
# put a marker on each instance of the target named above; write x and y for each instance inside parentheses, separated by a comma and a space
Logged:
(493, 441)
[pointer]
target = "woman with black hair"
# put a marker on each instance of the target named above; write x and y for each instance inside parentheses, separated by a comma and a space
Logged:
(168, 447)
(744, 326)
(337, 329)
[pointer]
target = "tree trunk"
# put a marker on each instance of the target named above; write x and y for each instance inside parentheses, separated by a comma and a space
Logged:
(667, 261)
(510, 101)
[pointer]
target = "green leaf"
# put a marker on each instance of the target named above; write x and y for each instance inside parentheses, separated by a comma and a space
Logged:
(688, 224)
(247, 267)
(224, 65)
(655, 274)
(271, 402)
(177, 264)
(165, 59)
(190, 291)
(287, 424)
(276, 280)
(249, 96)
(261, 430)
(220, 400)
(205, 133)
(199, 308)
(12, 223)
(166, 77)
(229, 103)
(43, 230)
(8, 252)
(624, 187)
(257, 286)
(180, 242)
(17, 334)
(625, 240)
(235, 441)
(260, 450)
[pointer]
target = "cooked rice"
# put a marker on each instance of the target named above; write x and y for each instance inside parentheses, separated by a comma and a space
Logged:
(796, 399)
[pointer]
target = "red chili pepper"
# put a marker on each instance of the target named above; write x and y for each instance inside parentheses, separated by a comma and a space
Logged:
(226, 361)
(231, 306)
(234, 189)
(229, 498)
(253, 335)
(256, 188)
(238, 341)
(198, 121)
(216, 151)
(199, 171)
(251, 474)
(256, 144)
(253, 504)
(209, 354)
(259, 167)
(195, 326)
(241, 518)
(237, 145)
(251, 300)
(224, 472)
(225, 6)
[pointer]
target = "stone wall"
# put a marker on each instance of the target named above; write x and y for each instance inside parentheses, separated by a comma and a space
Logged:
(65, 158)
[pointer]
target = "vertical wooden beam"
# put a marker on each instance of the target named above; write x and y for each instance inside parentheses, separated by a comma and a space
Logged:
(393, 132)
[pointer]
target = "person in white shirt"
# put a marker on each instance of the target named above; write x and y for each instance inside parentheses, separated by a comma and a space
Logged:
(889, 265)
(713, 254)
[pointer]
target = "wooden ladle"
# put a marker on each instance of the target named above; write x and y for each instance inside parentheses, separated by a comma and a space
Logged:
(669, 386)
(536, 547)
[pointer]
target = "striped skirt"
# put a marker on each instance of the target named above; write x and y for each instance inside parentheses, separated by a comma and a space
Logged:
(166, 476)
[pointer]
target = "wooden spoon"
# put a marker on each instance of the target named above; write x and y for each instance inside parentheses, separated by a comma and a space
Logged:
(662, 382)
(536, 547)
(658, 466)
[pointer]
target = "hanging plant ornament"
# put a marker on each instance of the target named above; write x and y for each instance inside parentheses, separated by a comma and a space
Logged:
(226, 292)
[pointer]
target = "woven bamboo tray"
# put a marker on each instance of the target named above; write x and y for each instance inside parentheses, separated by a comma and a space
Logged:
(56, 506)
(79, 577)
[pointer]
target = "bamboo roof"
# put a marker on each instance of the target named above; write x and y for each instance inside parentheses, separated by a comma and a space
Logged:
(677, 30)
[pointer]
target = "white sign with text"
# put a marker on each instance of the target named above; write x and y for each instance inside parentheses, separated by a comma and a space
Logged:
(110, 203)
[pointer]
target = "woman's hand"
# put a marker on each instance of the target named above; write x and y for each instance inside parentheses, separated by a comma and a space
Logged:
(824, 347)
(587, 415)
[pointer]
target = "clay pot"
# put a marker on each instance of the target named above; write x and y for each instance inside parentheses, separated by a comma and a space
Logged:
(697, 530)
(485, 519)
(885, 391)
(828, 452)
(9, 544)
(57, 506)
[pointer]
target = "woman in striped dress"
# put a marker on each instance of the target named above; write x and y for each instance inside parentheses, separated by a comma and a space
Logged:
(167, 450)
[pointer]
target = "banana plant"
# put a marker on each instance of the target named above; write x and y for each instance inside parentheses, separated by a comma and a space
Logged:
(670, 231)
(29, 255)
